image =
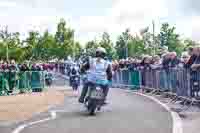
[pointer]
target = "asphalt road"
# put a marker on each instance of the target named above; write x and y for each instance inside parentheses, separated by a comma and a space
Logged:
(126, 113)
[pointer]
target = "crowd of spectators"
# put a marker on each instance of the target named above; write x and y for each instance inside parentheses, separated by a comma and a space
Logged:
(178, 74)
(188, 60)
(12, 65)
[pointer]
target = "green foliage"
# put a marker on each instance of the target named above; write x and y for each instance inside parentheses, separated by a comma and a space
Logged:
(108, 45)
(136, 47)
(91, 47)
(122, 42)
(105, 42)
(12, 42)
(189, 43)
(169, 38)
(77, 49)
(64, 38)
(38, 46)
(47, 46)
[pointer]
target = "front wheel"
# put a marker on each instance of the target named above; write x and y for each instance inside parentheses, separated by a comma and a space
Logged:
(75, 87)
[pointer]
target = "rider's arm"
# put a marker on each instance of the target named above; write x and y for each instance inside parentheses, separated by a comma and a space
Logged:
(85, 66)
(109, 72)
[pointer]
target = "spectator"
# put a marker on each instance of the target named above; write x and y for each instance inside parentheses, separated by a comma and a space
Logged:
(1, 62)
(174, 61)
(5, 66)
(33, 68)
(13, 65)
(145, 64)
(24, 67)
(184, 60)
(115, 65)
(166, 60)
(193, 55)
(196, 64)
(133, 64)
(156, 62)
(122, 64)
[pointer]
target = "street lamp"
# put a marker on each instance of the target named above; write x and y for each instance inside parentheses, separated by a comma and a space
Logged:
(126, 43)
(154, 44)
(126, 49)
(7, 57)
(145, 30)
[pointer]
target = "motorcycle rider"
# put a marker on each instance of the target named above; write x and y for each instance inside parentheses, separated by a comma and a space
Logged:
(74, 72)
(48, 77)
(97, 68)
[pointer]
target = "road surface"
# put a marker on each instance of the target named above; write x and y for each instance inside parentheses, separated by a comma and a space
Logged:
(125, 113)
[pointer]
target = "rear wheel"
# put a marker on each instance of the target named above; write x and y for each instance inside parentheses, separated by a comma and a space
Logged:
(92, 107)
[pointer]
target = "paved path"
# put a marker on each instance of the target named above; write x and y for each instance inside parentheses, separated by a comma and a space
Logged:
(127, 113)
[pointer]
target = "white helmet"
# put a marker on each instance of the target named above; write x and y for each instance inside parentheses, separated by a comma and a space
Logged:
(101, 50)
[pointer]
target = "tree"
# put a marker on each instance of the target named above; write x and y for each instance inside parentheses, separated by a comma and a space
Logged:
(77, 49)
(15, 50)
(169, 38)
(10, 45)
(189, 43)
(108, 45)
(121, 43)
(149, 44)
(64, 40)
(5, 39)
(31, 50)
(136, 47)
(91, 47)
(48, 46)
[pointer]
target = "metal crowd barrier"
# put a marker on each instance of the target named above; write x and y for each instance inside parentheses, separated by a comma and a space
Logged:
(181, 82)
(24, 81)
(126, 78)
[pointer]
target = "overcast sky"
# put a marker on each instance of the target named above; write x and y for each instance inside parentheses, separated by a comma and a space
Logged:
(90, 18)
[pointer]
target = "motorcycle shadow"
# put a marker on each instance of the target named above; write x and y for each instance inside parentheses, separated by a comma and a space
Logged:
(78, 115)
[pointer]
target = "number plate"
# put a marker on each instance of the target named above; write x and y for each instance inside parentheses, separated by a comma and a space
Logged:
(98, 94)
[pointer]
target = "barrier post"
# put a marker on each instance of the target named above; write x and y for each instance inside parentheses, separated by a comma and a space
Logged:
(36, 81)
(135, 80)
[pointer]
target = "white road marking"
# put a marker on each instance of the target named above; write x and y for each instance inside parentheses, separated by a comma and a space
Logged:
(177, 122)
(61, 111)
(22, 127)
(53, 115)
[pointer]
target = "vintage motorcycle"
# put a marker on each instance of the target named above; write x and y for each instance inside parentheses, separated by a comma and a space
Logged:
(49, 79)
(75, 82)
(95, 96)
